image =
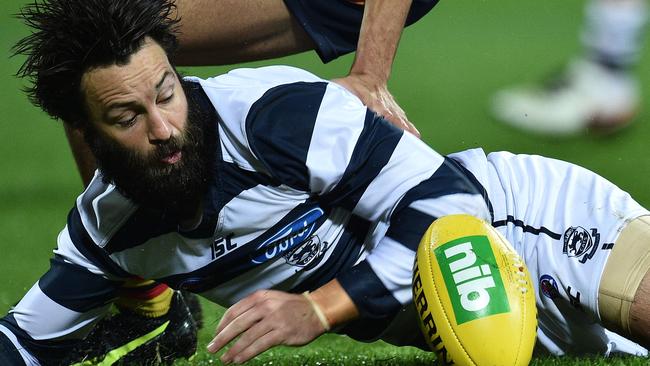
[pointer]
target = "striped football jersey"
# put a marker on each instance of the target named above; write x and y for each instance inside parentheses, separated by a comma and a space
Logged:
(309, 185)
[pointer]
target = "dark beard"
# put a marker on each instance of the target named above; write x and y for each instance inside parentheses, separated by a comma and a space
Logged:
(175, 189)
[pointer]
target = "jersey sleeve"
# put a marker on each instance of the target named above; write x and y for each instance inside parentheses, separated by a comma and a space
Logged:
(319, 138)
(77, 290)
(56, 313)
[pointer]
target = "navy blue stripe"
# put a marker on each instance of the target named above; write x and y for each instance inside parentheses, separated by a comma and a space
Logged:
(527, 228)
(372, 152)
(143, 225)
(372, 298)
(239, 261)
(146, 224)
(9, 354)
(47, 352)
(76, 288)
(234, 180)
(377, 307)
(474, 182)
(89, 249)
(408, 227)
(230, 180)
(279, 127)
(344, 256)
(449, 178)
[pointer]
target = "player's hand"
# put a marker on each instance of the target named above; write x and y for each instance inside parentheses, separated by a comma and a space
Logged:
(375, 95)
(262, 320)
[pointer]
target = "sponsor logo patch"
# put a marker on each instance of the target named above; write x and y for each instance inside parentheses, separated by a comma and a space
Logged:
(548, 286)
(472, 278)
(288, 237)
(306, 255)
(580, 243)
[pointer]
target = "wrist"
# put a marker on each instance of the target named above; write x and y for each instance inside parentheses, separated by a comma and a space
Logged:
(318, 311)
(334, 304)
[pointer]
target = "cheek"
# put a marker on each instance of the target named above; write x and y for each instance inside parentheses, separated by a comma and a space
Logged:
(134, 139)
(178, 114)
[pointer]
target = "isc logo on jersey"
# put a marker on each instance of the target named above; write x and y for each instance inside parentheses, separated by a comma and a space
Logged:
(473, 295)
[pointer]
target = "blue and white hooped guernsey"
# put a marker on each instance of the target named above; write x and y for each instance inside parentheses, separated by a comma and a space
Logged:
(309, 186)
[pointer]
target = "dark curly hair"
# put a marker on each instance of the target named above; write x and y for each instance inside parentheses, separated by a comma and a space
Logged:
(71, 36)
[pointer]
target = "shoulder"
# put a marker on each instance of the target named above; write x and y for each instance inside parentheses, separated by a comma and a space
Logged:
(246, 85)
(102, 210)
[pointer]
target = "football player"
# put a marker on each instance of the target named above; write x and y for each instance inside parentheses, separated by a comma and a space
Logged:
(223, 32)
(281, 196)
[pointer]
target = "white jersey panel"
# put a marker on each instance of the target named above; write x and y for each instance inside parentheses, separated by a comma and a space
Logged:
(114, 207)
(43, 318)
(393, 264)
(338, 126)
(459, 203)
(66, 249)
(234, 93)
(411, 162)
(563, 220)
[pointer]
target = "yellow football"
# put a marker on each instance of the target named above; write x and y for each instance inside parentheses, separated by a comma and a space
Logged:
(473, 294)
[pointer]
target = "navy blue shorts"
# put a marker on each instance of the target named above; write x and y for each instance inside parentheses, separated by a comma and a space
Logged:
(334, 25)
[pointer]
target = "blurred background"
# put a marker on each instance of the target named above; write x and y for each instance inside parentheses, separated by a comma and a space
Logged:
(447, 68)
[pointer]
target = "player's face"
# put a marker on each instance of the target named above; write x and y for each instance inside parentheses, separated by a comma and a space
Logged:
(140, 105)
(145, 138)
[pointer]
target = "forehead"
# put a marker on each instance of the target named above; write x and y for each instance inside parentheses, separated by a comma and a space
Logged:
(141, 74)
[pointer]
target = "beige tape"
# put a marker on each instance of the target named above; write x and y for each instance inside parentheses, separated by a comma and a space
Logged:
(318, 311)
(628, 263)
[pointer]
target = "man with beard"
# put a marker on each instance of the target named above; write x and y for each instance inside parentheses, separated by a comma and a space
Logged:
(253, 187)
(260, 29)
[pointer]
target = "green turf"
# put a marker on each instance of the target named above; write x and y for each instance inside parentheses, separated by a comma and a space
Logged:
(447, 67)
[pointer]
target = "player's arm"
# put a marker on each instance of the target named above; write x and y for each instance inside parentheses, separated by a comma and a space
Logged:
(267, 318)
(67, 301)
(221, 32)
(54, 315)
(316, 137)
(381, 28)
(214, 32)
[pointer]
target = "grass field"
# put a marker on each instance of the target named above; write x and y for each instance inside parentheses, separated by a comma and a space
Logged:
(447, 67)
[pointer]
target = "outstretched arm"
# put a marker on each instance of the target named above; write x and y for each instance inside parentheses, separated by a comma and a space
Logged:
(383, 21)
(268, 318)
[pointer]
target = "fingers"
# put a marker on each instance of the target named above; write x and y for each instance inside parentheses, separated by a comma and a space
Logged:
(375, 96)
(386, 106)
(263, 320)
(231, 329)
(237, 319)
(256, 340)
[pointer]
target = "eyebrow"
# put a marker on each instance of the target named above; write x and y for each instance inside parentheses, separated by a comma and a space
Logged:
(130, 103)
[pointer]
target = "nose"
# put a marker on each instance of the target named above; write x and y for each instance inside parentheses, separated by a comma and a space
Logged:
(159, 128)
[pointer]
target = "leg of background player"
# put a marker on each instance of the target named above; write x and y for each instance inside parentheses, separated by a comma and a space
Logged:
(233, 31)
(596, 90)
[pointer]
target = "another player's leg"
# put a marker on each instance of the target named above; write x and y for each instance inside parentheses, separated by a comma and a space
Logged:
(232, 31)
(624, 293)
(597, 90)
